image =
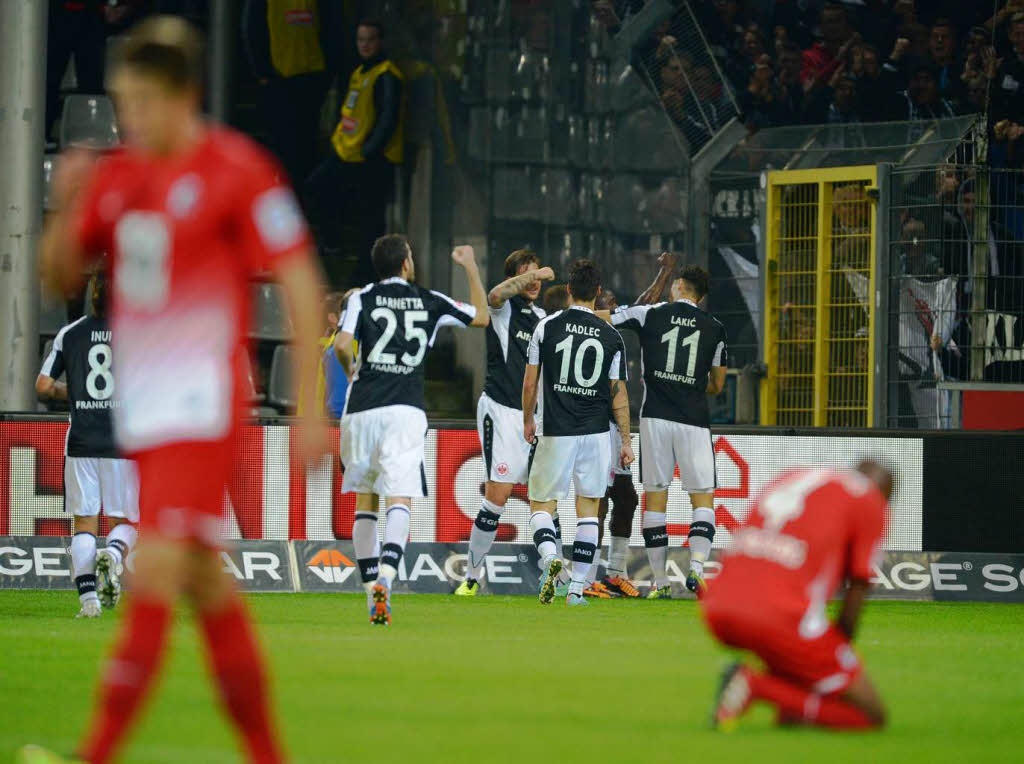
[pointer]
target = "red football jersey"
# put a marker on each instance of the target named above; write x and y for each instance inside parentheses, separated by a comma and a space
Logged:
(185, 234)
(807, 532)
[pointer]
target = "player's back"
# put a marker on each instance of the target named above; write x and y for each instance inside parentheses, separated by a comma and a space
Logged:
(395, 323)
(806, 532)
(680, 344)
(186, 233)
(82, 350)
(508, 336)
(579, 354)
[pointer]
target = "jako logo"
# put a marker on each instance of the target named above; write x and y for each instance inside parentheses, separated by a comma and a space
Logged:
(331, 566)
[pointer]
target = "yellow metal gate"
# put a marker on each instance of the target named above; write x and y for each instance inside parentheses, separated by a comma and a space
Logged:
(819, 298)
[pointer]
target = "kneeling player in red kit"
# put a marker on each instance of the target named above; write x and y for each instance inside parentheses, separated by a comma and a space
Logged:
(188, 213)
(811, 530)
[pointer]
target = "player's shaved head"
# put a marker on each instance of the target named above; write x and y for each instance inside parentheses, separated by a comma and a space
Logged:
(606, 300)
(879, 474)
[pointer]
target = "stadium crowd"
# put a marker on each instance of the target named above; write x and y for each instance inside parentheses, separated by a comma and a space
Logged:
(793, 62)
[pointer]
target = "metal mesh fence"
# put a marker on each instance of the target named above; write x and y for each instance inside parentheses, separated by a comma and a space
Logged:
(956, 286)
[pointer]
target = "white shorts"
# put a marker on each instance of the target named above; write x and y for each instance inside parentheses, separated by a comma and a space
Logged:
(382, 451)
(90, 483)
(664, 444)
(564, 460)
(616, 466)
(506, 454)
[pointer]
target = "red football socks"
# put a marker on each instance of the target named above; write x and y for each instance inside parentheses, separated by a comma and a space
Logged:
(236, 663)
(795, 703)
(128, 676)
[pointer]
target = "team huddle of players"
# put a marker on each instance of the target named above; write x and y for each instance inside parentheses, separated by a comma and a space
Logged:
(187, 212)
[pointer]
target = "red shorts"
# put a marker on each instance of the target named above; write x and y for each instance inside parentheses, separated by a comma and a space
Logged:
(825, 664)
(181, 490)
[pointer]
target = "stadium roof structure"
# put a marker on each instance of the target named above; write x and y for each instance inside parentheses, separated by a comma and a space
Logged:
(815, 146)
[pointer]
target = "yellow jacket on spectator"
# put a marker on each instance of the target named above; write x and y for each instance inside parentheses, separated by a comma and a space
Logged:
(359, 114)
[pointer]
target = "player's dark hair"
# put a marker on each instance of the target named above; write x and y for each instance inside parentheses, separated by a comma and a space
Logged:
(584, 280)
(167, 48)
(698, 278)
(98, 295)
(556, 298)
(372, 22)
(389, 252)
(518, 259)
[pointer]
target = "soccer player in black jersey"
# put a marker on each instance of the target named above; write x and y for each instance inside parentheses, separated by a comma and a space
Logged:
(575, 369)
(513, 316)
(384, 425)
(683, 351)
(94, 476)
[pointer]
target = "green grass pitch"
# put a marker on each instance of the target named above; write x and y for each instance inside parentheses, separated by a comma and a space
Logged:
(506, 679)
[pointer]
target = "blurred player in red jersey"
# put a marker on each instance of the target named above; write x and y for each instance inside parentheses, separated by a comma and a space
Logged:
(189, 212)
(809, 531)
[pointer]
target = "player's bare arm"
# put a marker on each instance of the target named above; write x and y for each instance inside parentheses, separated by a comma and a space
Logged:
(345, 354)
(530, 402)
(853, 602)
(716, 380)
(61, 260)
(510, 287)
(463, 255)
(667, 262)
(620, 409)
(304, 289)
(48, 387)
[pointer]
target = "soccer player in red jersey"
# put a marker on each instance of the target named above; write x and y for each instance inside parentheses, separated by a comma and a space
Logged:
(189, 212)
(809, 531)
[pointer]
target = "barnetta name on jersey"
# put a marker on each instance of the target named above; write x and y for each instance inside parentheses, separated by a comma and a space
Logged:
(508, 337)
(82, 352)
(395, 323)
(579, 355)
(679, 345)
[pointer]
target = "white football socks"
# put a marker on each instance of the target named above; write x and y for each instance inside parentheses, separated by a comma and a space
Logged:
(481, 538)
(396, 533)
(83, 566)
(656, 541)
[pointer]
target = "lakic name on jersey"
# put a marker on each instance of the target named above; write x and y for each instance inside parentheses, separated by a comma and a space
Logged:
(399, 303)
(680, 321)
(588, 331)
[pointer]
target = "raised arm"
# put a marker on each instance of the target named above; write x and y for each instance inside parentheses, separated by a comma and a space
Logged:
(653, 293)
(516, 284)
(463, 256)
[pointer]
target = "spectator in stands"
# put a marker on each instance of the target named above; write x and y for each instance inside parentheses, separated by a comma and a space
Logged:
(1008, 75)
(698, 109)
(762, 102)
(354, 185)
(917, 259)
(837, 103)
(791, 91)
(922, 99)
(292, 50)
(822, 58)
(1008, 149)
(948, 66)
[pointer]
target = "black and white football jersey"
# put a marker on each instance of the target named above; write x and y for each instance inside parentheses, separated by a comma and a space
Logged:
(395, 323)
(508, 337)
(82, 352)
(679, 344)
(579, 355)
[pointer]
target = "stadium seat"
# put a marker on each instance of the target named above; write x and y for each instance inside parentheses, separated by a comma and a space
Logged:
(279, 388)
(88, 119)
(48, 162)
(253, 395)
(270, 320)
(53, 316)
